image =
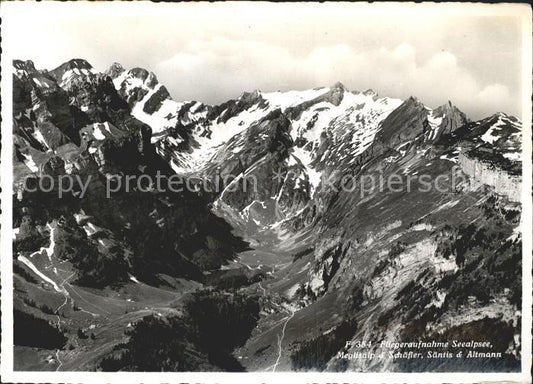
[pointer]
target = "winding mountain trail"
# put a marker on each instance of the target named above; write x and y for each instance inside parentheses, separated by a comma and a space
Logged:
(280, 340)
(67, 298)
(60, 363)
(262, 289)
(58, 287)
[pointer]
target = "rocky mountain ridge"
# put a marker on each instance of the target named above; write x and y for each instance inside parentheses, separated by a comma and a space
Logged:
(326, 250)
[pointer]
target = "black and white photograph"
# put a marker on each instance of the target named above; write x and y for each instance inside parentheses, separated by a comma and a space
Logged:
(266, 192)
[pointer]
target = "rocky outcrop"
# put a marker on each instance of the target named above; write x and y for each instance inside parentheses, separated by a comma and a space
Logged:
(74, 65)
(225, 111)
(156, 99)
(334, 96)
(452, 118)
(485, 173)
(404, 124)
(115, 70)
(260, 178)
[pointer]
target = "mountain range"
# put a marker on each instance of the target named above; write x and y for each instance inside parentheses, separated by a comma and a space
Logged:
(292, 274)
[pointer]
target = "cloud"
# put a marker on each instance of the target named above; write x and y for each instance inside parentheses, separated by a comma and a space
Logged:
(404, 51)
(443, 61)
(212, 52)
(220, 68)
(495, 96)
(493, 92)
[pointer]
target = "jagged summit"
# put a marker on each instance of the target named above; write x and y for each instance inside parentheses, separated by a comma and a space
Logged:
(71, 71)
(335, 94)
(24, 68)
(255, 94)
(404, 124)
(448, 106)
(24, 64)
(311, 112)
(507, 116)
(502, 119)
(149, 79)
(78, 63)
(413, 99)
(72, 64)
(141, 73)
(115, 70)
(338, 85)
(451, 118)
(117, 65)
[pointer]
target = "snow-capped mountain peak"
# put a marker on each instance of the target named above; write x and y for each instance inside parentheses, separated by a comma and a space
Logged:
(71, 71)
(23, 68)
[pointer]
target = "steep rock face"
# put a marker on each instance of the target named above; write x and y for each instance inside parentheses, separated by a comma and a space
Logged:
(485, 173)
(391, 247)
(404, 124)
(334, 96)
(21, 96)
(264, 183)
(495, 139)
(153, 104)
(73, 65)
(99, 100)
(72, 70)
(107, 141)
(134, 84)
(23, 68)
(223, 112)
(42, 111)
(78, 250)
(177, 127)
(86, 116)
(452, 118)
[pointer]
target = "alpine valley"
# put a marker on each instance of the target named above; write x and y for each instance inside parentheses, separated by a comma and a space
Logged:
(312, 269)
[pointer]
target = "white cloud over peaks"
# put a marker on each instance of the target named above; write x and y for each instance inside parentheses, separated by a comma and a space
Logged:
(471, 55)
(404, 51)
(496, 97)
(443, 61)
(220, 68)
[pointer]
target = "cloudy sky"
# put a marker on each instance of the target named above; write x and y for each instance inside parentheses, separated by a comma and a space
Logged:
(213, 52)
